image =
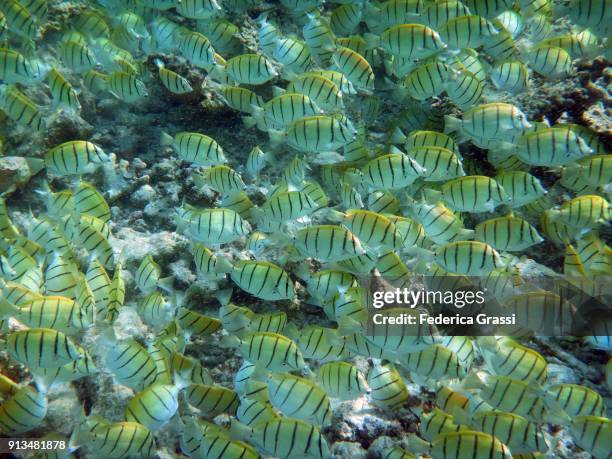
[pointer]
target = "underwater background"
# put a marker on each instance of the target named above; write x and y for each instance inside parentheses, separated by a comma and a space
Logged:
(197, 198)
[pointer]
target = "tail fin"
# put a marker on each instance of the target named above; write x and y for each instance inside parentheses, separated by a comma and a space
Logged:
(166, 140)
(417, 445)
(472, 381)
(224, 296)
(451, 124)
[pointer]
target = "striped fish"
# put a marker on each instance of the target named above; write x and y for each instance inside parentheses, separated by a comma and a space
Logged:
(372, 229)
(120, 439)
(521, 187)
(293, 54)
(583, 212)
(77, 56)
(478, 445)
(74, 158)
(473, 193)
(24, 411)
(241, 99)
(437, 163)
(550, 61)
(271, 351)
(55, 312)
(509, 395)
(197, 49)
(593, 434)
(222, 179)
(342, 380)
(319, 134)
(214, 226)
(89, 201)
(494, 121)
(194, 323)
(555, 146)
(250, 69)
(576, 400)
(41, 348)
(345, 18)
(212, 400)
(16, 68)
(467, 31)
(426, 80)
(321, 90)
(434, 362)
(508, 358)
(285, 437)
(131, 364)
(172, 81)
(355, 68)
(388, 390)
(299, 398)
(263, 279)
(411, 41)
(19, 20)
(468, 257)
(195, 148)
(19, 108)
(153, 407)
(392, 171)
(507, 233)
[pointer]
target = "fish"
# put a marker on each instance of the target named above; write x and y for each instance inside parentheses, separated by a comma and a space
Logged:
(299, 398)
(197, 49)
(510, 395)
(293, 54)
(319, 134)
(23, 411)
(74, 158)
(62, 92)
(342, 380)
(583, 211)
(494, 121)
(411, 41)
(279, 112)
(250, 69)
(437, 163)
(131, 364)
(355, 68)
(195, 148)
(214, 226)
(263, 279)
(593, 434)
(272, 351)
(194, 323)
(36, 348)
(252, 412)
(22, 110)
(77, 56)
(508, 358)
(507, 233)
(296, 438)
(550, 61)
(241, 99)
(473, 193)
(555, 146)
(392, 171)
(212, 400)
(173, 82)
(52, 312)
(465, 443)
(388, 389)
(116, 440)
(434, 362)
